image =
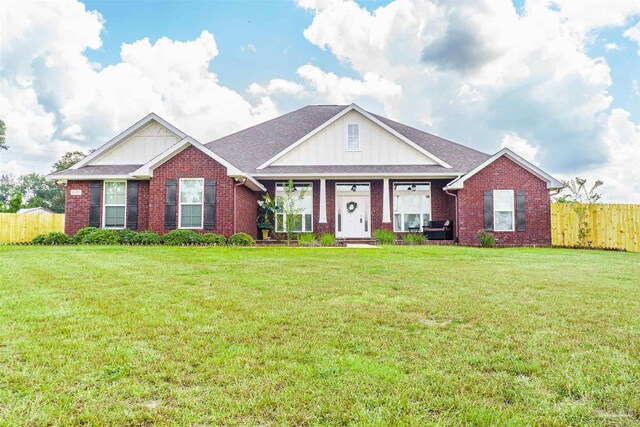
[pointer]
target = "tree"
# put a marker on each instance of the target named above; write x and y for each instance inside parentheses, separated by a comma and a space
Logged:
(3, 131)
(580, 197)
(14, 204)
(69, 159)
(36, 186)
(291, 204)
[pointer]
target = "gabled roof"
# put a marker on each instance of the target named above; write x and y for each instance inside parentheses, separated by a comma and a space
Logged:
(146, 170)
(126, 133)
(354, 107)
(94, 171)
(552, 183)
(253, 147)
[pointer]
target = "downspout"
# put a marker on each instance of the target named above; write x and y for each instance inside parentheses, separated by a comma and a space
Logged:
(455, 224)
(241, 181)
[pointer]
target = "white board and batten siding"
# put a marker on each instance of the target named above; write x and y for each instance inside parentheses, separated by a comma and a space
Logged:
(140, 147)
(377, 147)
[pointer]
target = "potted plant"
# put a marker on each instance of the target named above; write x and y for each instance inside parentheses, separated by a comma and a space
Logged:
(266, 215)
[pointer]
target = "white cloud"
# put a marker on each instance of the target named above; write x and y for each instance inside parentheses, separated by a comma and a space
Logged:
(341, 90)
(248, 48)
(520, 145)
(611, 46)
(636, 87)
(633, 34)
(54, 100)
(621, 174)
(277, 86)
(486, 75)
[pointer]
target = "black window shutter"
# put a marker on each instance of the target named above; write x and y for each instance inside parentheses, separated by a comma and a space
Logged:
(210, 204)
(132, 205)
(170, 205)
(94, 203)
(520, 215)
(488, 209)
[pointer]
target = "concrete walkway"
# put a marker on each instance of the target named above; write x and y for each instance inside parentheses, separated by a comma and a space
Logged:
(361, 246)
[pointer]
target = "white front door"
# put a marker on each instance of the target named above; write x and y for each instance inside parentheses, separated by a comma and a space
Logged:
(353, 216)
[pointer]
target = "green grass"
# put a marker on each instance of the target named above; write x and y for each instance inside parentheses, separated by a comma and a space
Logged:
(307, 336)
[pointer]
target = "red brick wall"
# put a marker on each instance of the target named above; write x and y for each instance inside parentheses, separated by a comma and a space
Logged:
(76, 208)
(191, 163)
(504, 174)
(247, 211)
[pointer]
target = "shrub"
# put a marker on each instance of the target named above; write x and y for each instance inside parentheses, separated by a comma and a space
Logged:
(53, 238)
(241, 239)
(414, 238)
(485, 239)
(147, 238)
(182, 237)
(82, 233)
(385, 236)
(327, 239)
(101, 236)
(213, 239)
(306, 239)
(39, 239)
(127, 237)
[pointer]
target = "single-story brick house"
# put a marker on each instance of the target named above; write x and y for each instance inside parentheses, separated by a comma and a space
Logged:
(362, 172)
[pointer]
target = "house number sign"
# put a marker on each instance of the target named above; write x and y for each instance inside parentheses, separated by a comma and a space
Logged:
(76, 192)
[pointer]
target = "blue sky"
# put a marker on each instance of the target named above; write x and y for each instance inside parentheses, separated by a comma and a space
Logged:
(557, 81)
(276, 28)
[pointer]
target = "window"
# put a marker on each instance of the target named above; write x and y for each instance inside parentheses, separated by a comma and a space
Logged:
(191, 202)
(115, 204)
(353, 137)
(503, 210)
(411, 205)
(303, 218)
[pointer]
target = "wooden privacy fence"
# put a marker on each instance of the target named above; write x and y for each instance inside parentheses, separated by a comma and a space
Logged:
(612, 226)
(24, 227)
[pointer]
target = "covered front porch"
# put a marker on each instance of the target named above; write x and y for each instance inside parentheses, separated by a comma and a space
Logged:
(353, 209)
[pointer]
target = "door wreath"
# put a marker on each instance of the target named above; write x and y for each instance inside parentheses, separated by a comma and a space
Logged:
(351, 207)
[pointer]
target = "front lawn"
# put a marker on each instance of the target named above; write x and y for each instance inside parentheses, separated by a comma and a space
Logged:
(297, 336)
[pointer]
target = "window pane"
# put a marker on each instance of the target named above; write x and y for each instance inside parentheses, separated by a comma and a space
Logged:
(308, 226)
(280, 222)
(425, 219)
(191, 191)
(398, 222)
(411, 204)
(297, 223)
(114, 216)
(191, 216)
(503, 200)
(353, 136)
(411, 222)
(503, 221)
(114, 193)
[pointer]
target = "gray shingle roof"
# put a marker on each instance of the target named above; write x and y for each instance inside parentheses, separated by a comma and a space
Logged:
(253, 146)
(97, 170)
(249, 148)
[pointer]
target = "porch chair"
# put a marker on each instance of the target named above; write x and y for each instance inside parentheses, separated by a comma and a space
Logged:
(438, 230)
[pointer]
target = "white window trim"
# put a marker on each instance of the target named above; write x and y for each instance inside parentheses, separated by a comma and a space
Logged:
(104, 203)
(397, 193)
(346, 138)
(180, 204)
(284, 224)
(513, 210)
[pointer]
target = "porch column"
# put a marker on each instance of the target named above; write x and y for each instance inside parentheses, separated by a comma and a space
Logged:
(322, 219)
(386, 212)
